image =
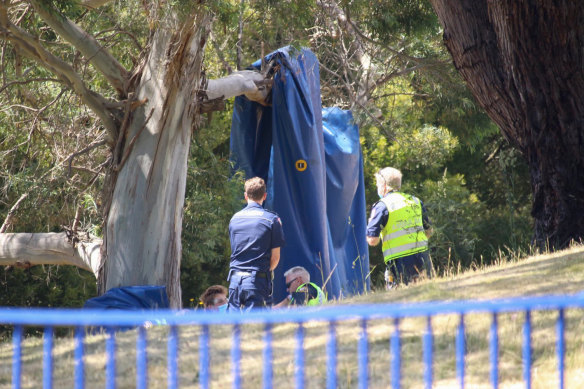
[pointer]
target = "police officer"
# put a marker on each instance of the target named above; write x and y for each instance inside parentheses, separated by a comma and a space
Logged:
(256, 237)
(401, 222)
(300, 290)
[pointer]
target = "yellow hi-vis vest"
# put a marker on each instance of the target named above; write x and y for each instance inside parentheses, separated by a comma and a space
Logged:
(404, 232)
(320, 297)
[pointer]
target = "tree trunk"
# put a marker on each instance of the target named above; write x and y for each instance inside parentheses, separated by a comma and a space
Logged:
(146, 183)
(523, 61)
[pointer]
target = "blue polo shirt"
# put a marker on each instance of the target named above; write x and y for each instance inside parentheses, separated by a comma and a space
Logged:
(253, 233)
(380, 215)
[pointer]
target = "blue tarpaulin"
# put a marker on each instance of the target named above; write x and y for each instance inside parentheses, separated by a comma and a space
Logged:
(311, 160)
(131, 298)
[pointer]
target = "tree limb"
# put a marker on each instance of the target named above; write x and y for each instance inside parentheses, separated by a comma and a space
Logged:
(34, 50)
(28, 249)
(92, 146)
(8, 220)
(97, 55)
(245, 82)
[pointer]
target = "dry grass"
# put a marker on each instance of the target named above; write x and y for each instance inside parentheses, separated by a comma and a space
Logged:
(547, 274)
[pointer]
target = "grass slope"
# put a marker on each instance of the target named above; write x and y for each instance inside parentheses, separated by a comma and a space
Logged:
(558, 273)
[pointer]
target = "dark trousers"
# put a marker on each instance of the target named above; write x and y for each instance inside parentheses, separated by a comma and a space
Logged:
(407, 269)
(249, 291)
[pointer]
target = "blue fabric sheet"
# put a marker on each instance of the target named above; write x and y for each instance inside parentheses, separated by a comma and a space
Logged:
(132, 298)
(311, 160)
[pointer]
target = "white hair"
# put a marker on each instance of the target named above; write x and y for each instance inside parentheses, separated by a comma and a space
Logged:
(391, 176)
(298, 271)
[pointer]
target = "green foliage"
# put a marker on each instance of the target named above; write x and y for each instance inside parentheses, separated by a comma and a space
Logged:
(46, 286)
(387, 19)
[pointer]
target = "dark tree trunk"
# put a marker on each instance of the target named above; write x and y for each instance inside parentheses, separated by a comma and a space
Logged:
(524, 62)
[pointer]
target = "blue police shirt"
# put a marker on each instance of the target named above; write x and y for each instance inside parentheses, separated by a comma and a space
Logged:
(253, 233)
(380, 215)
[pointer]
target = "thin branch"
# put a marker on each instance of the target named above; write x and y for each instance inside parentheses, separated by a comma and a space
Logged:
(220, 54)
(99, 57)
(118, 31)
(33, 49)
(10, 216)
(8, 85)
(87, 149)
(76, 219)
(386, 77)
(240, 36)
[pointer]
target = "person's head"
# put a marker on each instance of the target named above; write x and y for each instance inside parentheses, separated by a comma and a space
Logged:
(255, 190)
(214, 297)
(295, 277)
(388, 179)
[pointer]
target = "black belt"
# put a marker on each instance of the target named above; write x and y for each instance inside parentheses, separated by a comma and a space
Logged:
(250, 273)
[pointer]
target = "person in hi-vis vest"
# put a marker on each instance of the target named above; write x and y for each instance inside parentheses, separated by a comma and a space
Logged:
(300, 290)
(400, 221)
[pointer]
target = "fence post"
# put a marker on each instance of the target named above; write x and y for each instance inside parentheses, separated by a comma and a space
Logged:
(428, 346)
(110, 359)
(362, 357)
(172, 358)
(460, 352)
(395, 355)
(204, 357)
(236, 356)
(48, 358)
(299, 360)
(331, 362)
(561, 347)
(79, 365)
(268, 374)
(494, 352)
(141, 359)
(527, 350)
(16, 356)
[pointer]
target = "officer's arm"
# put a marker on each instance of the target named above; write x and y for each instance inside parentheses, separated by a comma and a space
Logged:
(275, 258)
(284, 303)
(373, 240)
(376, 222)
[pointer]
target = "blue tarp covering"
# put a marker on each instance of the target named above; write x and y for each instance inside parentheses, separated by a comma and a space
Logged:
(131, 298)
(312, 162)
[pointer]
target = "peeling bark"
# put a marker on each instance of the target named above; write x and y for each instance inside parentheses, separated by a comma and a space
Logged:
(142, 244)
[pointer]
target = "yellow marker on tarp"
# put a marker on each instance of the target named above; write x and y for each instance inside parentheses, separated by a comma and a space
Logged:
(301, 165)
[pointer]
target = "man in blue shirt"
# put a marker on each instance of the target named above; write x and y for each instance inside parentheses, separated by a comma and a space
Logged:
(401, 222)
(256, 236)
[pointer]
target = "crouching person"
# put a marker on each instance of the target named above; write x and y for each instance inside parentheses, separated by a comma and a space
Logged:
(300, 290)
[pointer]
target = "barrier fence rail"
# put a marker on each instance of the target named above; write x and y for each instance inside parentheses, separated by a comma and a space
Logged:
(111, 320)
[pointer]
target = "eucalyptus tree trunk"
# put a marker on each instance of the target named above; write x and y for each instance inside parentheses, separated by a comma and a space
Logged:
(146, 182)
(524, 62)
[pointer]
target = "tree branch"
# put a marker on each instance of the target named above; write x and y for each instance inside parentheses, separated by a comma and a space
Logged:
(245, 82)
(87, 149)
(28, 81)
(97, 55)
(8, 220)
(34, 50)
(27, 249)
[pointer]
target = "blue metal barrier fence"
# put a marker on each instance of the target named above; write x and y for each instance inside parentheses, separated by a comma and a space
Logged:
(112, 319)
